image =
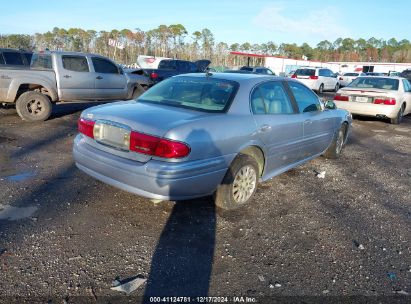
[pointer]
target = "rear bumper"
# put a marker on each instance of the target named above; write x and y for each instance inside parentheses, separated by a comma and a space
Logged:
(368, 109)
(154, 179)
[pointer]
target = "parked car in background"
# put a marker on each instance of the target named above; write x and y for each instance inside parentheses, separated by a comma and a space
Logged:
(14, 58)
(348, 77)
(394, 73)
(317, 79)
(406, 74)
(63, 76)
(172, 67)
(195, 135)
(383, 97)
(257, 70)
(374, 74)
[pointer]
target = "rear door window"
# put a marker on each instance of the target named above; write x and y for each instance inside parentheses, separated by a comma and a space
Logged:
(102, 65)
(13, 58)
(75, 63)
(306, 100)
(271, 98)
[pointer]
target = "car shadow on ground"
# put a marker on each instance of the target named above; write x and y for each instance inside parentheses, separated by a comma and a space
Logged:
(183, 259)
(63, 109)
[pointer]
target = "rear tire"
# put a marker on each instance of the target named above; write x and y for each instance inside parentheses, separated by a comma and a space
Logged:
(335, 149)
(398, 119)
(239, 183)
(33, 106)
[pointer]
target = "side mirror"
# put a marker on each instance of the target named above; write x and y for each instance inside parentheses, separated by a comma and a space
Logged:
(329, 104)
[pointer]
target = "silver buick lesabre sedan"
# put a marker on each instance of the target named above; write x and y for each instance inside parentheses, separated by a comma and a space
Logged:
(217, 134)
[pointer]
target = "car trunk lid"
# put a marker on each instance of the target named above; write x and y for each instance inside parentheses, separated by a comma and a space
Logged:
(114, 123)
(365, 95)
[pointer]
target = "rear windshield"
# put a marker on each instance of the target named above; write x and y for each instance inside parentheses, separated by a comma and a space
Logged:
(202, 94)
(41, 61)
(305, 72)
(375, 83)
(351, 74)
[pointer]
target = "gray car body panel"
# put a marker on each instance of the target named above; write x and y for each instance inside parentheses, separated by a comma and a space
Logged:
(215, 139)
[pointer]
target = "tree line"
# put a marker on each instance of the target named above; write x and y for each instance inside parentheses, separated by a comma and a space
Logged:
(175, 41)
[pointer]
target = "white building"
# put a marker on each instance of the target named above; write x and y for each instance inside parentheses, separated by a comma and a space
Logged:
(281, 65)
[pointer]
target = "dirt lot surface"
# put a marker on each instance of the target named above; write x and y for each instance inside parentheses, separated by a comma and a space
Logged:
(65, 237)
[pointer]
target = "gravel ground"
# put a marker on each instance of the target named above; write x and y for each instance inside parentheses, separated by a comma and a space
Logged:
(64, 237)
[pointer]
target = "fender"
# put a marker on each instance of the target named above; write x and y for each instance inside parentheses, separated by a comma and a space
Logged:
(33, 79)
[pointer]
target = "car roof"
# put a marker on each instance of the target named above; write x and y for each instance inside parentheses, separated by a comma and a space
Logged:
(231, 76)
(241, 78)
(382, 76)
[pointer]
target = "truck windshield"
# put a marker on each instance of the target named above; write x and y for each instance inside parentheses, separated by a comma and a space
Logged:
(375, 83)
(196, 93)
(41, 61)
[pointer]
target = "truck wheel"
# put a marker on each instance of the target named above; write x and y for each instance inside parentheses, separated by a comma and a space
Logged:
(33, 106)
(239, 183)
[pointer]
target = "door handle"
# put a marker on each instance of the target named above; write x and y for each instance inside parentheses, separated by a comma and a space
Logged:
(308, 122)
(5, 77)
(265, 128)
(67, 76)
(99, 77)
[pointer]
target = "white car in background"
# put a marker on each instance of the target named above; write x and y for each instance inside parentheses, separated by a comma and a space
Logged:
(317, 79)
(347, 78)
(383, 97)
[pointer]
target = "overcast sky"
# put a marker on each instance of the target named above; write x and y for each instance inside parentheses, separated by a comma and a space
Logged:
(253, 21)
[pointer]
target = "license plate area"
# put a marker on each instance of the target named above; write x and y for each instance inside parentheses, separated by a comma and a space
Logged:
(361, 99)
(112, 134)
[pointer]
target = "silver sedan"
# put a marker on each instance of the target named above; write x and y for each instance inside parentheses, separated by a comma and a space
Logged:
(215, 134)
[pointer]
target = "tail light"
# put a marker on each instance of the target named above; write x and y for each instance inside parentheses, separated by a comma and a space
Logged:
(341, 78)
(313, 77)
(153, 75)
(339, 97)
(143, 143)
(152, 145)
(293, 76)
(86, 127)
(386, 101)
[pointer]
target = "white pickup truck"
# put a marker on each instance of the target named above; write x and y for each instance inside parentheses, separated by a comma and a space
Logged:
(63, 76)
